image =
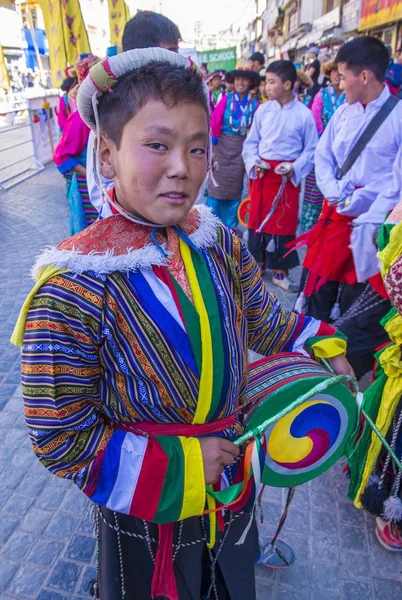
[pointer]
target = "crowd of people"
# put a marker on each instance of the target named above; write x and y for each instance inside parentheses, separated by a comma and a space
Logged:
(134, 341)
(21, 80)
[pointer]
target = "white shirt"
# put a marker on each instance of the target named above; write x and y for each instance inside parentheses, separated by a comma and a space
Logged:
(372, 171)
(282, 133)
(93, 190)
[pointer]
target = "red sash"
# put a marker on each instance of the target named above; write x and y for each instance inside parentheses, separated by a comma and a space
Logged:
(263, 192)
(149, 429)
(329, 257)
(163, 580)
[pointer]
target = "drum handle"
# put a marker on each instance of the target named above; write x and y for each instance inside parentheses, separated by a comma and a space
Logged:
(320, 387)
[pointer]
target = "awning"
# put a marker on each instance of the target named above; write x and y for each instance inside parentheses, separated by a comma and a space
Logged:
(310, 38)
(290, 44)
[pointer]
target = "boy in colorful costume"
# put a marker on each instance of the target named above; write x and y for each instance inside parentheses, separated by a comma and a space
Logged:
(283, 133)
(324, 105)
(230, 123)
(70, 155)
(341, 279)
(134, 344)
(376, 482)
(214, 81)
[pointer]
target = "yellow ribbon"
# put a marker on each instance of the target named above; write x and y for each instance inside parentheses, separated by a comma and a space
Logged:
(206, 378)
(45, 274)
(391, 362)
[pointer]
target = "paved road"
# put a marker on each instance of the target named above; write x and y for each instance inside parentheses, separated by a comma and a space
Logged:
(15, 145)
(46, 544)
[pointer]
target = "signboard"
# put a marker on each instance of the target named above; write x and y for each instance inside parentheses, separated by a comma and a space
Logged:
(224, 59)
(351, 16)
(375, 13)
(44, 127)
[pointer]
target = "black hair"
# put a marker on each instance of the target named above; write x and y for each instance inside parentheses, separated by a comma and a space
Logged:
(161, 81)
(148, 30)
(258, 56)
(68, 83)
(366, 52)
(284, 69)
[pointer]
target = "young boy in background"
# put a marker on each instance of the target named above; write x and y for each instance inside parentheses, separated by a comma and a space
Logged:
(278, 154)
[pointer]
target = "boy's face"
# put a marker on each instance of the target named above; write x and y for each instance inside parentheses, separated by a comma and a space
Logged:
(161, 163)
(216, 83)
(334, 77)
(242, 85)
(353, 85)
(275, 88)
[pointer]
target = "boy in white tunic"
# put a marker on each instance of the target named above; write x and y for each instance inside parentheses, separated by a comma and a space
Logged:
(342, 274)
(278, 154)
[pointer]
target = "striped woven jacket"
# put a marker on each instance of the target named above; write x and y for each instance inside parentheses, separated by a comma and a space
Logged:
(114, 337)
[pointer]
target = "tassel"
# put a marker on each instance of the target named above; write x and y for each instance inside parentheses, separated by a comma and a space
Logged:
(393, 509)
(373, 499)
(247, 529)
(336, 312)
(271, 245)
(163, 580)
(300, 305)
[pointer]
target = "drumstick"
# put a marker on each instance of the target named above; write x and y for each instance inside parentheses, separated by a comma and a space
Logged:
(321, 387)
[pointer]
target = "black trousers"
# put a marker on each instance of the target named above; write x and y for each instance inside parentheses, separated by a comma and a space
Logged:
(234, 573)
(257, 245)
(364, 331)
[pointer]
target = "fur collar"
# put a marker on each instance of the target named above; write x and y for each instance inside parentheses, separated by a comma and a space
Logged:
(117, 244)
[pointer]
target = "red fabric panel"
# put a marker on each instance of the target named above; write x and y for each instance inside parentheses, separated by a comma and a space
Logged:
(263, 192)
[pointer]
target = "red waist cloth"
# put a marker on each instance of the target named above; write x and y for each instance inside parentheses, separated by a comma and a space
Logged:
(163, 580)
(148, 428)
(329, 257)
(263, 192)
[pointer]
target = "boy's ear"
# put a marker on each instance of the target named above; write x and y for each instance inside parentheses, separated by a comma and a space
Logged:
(288, 85)
(106, 164)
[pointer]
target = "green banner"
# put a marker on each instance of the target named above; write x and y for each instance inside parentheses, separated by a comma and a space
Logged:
(218, 59)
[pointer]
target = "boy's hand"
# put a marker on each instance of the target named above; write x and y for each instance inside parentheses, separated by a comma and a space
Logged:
(285, 169)
(340, 365)
(259, 172)
(217, 454)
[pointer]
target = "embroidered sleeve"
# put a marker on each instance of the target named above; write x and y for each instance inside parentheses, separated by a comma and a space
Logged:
(160, 479)
(271, 328)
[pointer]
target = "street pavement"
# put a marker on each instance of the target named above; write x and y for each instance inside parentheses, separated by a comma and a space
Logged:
(47, 550)
(15, 145)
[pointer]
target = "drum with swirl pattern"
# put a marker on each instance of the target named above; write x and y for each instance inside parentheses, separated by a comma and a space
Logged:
(310, 438)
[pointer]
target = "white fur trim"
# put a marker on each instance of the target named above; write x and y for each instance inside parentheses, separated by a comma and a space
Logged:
(77, 262)
(143, 258)
(206, 234)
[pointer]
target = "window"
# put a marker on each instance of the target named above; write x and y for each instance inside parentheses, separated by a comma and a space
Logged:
(293, 21)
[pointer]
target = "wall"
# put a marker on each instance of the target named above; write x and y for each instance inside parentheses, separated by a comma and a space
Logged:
(310, 10)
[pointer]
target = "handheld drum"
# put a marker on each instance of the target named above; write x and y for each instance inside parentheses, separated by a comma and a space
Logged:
(243, 212)
(308, 416)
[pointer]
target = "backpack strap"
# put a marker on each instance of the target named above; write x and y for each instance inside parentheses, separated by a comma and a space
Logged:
(366, 136)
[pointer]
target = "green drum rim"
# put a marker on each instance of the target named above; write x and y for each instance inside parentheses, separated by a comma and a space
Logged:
(283, 397)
